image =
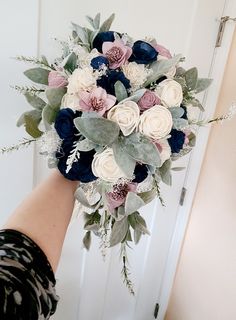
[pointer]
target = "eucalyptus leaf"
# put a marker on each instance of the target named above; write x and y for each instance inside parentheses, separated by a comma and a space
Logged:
(86, 145)
(70, 63)
(99, 130)
(136, 96)
(119, 231)
(141, 149)
(148, 196)
(165, 172)
(120, 91)
(132, 203)
(161, 67)
(180, 123)
(176, 112)
(35, 114)
(202, 84)
(54, 96)
(31, 126)
(107, 23)
(191, 77)
(34, 101)
(123, 159)
(37, 75)
(87, 240)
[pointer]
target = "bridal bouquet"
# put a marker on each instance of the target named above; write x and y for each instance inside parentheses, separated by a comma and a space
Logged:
(113, 113)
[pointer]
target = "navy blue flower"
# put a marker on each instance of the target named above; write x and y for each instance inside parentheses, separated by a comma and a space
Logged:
(140, 172)
(143, 53)
(98, 62)
(108, 81)
(64, 123)
(103, 37)
(176, 140)
(81, 170)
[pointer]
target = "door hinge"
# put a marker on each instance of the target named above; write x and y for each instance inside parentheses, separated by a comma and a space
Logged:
(156, 310)
(221, 30)
(182, 196)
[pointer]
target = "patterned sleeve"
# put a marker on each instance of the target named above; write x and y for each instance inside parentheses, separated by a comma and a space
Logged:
(27, 282)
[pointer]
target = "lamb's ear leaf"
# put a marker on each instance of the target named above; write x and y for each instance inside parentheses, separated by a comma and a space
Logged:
(99, 130)
(107, 23)
(49, 115)
(203, 84)
(35, 114)
(120, 91)
(54, 96)
(87, 240)
(31, 126)
(191, 77)
(119, 231)
(35, 101)
(123, 159)
(37, 75)
(132, 203)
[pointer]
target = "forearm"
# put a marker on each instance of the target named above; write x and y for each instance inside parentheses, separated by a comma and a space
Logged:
(45, 214)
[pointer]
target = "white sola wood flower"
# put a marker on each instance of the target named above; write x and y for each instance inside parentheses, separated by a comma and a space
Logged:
(136, 73)
(105, 167)
(82, 80)
(126, 115)
(156, 122)
(170, 93)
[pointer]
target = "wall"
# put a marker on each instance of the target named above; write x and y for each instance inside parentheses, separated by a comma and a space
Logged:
(205, 283)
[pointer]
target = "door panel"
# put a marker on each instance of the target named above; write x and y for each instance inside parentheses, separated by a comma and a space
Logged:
(89, 287)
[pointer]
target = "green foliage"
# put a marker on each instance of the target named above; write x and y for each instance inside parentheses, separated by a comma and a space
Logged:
(99, 130)
(176, 112)
(120, 91)
(179, 123)
(87, 240)
(49, 115)
(202, 84)
(123, 159)
(54, 96)
(35, 101)
(138, 223)
(165, 172)
(37, 75)
(34, 114)
(119, 231)
(31, 126)
(148, 196)
(191, 77)
(86, 145)
(141, 149)
(107, 23)
(71, 62)
(136, 96)
(132, 203)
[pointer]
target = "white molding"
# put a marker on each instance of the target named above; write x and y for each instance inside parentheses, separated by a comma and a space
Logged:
(210, 100)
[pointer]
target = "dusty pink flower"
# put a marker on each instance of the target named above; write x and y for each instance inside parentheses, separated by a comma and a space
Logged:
(163, 51)
(116, 52)
(148, 100)
(117, 197)
(187, 134)
(97, 100)
(56, 80)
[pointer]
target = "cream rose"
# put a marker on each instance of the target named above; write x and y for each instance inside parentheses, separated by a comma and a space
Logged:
(105, 167)
(170, 93)
(172, 71)
(136, 73)
(82, 80)
(126, 115)
(156, 122)
(70, 101)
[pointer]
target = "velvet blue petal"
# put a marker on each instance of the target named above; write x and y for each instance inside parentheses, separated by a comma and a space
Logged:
(64, 123)
(98, 62)
(140, 172)
(103, 37)
(176, 140)
(108, 81)
(143, 53)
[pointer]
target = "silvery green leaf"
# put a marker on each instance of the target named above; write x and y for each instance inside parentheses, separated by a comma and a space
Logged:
(70, 62)
(99, 130)
(92, 36)
(31, 126)
(182, 82)
(86, 145)
(148, 196)
(165, 172)
(178, 168)
(202, 84)
(132, 203)
(87, 240)
(191, 77)
(180, 123)
(120, 213)
(128, 237)
(138, 223)
(96, 21)
(90, 20)
(120, 91)
(161, 67)
(183, 152)
(136, 96)
(54, 96)
(107, 23)
(90, 114)
(48, 115)
(176, 112)
(34, 101)
(80, 196)
(192, 139)
(180, 71)
(81, 32)
(196, 103)
(137, 236)
(37, 75)
(141, 149)
(52, 163)
(119, 231)
(91, 227)
(125, 162)
(35, 114)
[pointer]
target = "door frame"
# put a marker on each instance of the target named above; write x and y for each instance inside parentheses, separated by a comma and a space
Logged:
(219, 60)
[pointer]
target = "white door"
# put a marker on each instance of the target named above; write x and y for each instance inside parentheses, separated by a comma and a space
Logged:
(89, 287)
